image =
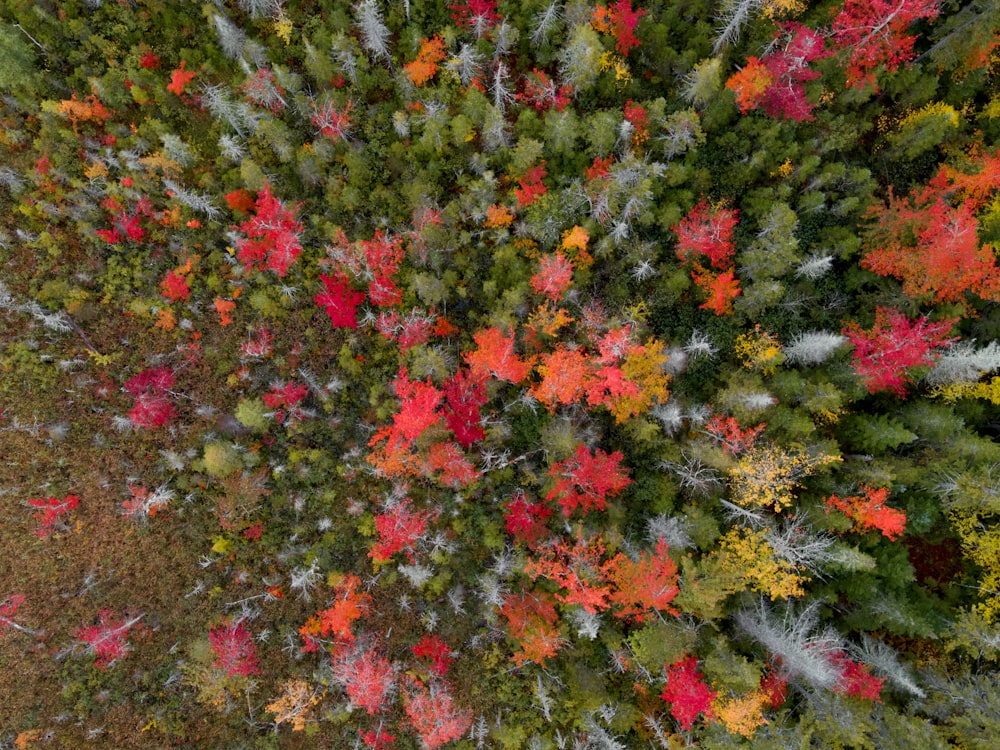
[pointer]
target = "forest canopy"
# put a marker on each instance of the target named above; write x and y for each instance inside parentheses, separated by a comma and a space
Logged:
(493, 374)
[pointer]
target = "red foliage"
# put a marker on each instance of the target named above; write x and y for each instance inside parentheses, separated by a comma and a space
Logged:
(856, 679)
(179, 79)
(418, 401)
(8, 608)
(873, 33)
(152, 408)
(339, 301)
(285, 400)
(885, 354)
(707, 231)
(108, 639)
(726, 432)
(553, 277)
(687, 693)
(149, 61)
(377, 739)
(600, 168)
(530, 185)
(409, 331)
(261, 89)
(465, 394)
(774, 686)
(349, 604)
(333, 124)
(272, 235)
(495, 356)
(448, 458)
(577, 569)
(565, 377)
(234, 649)
(932, 247)
(52, 510)
(366, 675)
(434, 648)
(383, 256)
(644, 585)
(586, 480)
(524, 520)
(240, 200)
(869, 511)
(174, 287)
(480, 15)
(433, 714)
(775, 81)
(619, 19)
(398, 528)
(542, 93)
(532, 622)
(720, 290)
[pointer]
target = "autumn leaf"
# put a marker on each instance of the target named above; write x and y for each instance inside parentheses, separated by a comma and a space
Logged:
(495, 356)
(869, 510)
(339, 301)
(687, 693)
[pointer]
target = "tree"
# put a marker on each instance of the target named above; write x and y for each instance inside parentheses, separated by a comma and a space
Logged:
(873, 35)
(687, 693)
(525, 520)
(464, 395)
(349, 604)
(272, 235)
(366, 676)
(706, 231)
(495, 356)
(52, 510)
(234, 649)
(339, 301)
(586, 480)
(646, 584)
(434, 648)
(932, 247)
(885, 354)
(578, 569)
(553, 277)
(870, 511)
(532, 621)
(425, 66)
(565, 375)
(108, 639)
(398, 528)
(433, 713)
(150, 388)
(775, 80)
(619, 19)
(179, 79)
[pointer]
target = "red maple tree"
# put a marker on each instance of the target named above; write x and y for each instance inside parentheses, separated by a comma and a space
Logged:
(885, 354)
(775, 80)
(398, 528)
(349, 604)
(339, 301)
(873, 35)
(52, 510)
(367, 677)
(553, 277)
(565, 376)
(542, 93)
(727, 433)
(495, 356)
(870, 511)
(579, 569)
(179, 79)
(687, 693)
(585, 480)
(152, 407)
(434, 649)
(108, 639)
(433, 714)
(8, 608)
(524, 520)
(272, 235)
(645, 585)
(619, 19)
(706, 230)
(234, 649)
(530, 185)
(532, 621)
(464, 395)
(856, 679)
